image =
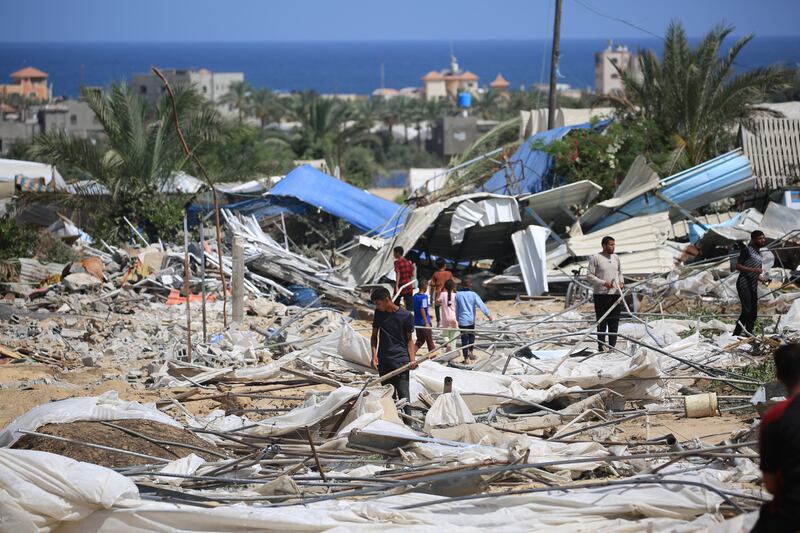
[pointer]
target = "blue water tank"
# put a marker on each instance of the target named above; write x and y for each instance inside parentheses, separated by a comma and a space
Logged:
(464, 100)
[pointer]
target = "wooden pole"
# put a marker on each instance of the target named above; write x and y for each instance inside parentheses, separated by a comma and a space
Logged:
(203, 274)
(552, 97)
(237, 280)
(186, 289)
(214, 195)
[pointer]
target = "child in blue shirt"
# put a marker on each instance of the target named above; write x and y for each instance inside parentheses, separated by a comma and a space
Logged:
(422, 317)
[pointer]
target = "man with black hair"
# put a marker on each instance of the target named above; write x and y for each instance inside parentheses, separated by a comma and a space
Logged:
(404, 277)
(392, 342)
(779, 442)
(605, 275)
(749, 265)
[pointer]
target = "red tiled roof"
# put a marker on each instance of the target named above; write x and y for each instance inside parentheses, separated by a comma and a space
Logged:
(469, 76)
(432, 75)
(28, 72)
(499, 82)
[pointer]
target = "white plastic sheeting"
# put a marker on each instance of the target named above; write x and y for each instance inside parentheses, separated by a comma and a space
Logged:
(529, 245)
(448, 409)
(44, 492)
(107, 406)
(483, 213)
(308, 415)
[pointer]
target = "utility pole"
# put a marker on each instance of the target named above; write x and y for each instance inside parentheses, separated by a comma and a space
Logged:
(552, 97)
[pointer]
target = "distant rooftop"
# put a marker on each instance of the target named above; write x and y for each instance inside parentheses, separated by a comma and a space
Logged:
(28, 72)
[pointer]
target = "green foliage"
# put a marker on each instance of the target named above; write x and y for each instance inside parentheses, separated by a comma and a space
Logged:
(763, 372)
(359, 167)
(140, 152)
(15, 240)
(242, 153)
(695, 94)
(604, 157)
(51, 249)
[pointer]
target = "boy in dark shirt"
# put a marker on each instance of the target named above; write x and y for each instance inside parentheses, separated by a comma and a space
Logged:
(392, 341)
(779, 442)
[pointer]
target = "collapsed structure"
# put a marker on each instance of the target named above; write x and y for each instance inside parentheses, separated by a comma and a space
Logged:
(260, 409)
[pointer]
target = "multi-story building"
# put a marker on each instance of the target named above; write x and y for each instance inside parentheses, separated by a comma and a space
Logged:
(607, 79)
(449, 82)
(212, 85)
(73, 117)
(30, 83)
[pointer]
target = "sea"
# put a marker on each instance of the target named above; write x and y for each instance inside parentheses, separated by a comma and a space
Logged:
(342, 67)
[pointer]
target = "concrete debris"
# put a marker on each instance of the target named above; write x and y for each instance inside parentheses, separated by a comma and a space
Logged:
(279, 417)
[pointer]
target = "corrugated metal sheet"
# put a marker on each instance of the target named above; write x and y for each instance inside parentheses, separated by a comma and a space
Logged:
(551, 204)
(529, 245)
(33, 272)
(680, 229)
(721, 177)
(632, 235)
(645, 262)
(773, 147)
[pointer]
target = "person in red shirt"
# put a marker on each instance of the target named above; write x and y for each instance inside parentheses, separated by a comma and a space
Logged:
(404, 277)
(779, 442)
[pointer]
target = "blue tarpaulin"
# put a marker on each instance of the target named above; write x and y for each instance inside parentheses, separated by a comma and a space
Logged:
(306, 188)
(367, 212)
(528, 169)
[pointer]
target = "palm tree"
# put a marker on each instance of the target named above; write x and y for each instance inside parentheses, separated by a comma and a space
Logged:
(138, 155)
(487, 105)
(238, 97)
(265, 106)
(328, 127)
(695, 95)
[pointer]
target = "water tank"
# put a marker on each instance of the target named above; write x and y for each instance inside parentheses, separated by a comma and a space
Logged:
(464, 100)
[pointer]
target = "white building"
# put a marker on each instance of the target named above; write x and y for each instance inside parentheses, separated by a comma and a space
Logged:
(607, 80)
(213, 85)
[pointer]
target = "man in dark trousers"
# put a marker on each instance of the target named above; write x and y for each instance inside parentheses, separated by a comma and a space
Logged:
(392, 341)
(404, 276)
(779, 442)
(605, 275)
(749, 266)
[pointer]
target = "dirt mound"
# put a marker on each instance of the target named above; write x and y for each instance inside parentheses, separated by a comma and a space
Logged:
(106, 435)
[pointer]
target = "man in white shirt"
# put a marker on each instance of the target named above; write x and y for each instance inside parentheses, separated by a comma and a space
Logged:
(605, 274)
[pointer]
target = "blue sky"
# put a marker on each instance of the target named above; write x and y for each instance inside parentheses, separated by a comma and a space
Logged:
(360, 20)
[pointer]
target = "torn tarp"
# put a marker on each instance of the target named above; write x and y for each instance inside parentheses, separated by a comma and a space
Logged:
(306, 186)
(527, 169)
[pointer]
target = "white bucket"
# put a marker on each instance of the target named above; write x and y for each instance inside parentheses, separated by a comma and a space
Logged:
(701, 405)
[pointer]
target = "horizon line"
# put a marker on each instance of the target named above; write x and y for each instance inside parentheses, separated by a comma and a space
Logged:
(361, 41)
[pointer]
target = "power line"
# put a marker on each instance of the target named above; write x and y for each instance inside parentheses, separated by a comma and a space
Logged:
(610, 17)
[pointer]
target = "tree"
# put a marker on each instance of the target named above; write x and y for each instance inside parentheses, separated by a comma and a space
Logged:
(265, 107)
(239, 97)
(696, 94)
(327, 127)
(138, 155)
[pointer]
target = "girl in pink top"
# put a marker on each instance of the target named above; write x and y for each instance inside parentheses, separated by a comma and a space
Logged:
(447, 302)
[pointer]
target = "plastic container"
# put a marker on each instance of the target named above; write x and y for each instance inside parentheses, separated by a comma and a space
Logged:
(464, 100)
(701, 405)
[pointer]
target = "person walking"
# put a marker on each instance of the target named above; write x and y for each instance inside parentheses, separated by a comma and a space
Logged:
(749, 264)
(391, 341)
(605, 275)
(438, 280)
(447, 303)
(779, 440)
(422, 317)
(466, 302)
(403, 275)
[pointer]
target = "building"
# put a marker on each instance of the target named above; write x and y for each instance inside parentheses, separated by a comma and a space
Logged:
(30, 83)
(606, 77)
(72, 117)
(212, 85)
(454, 135)
(449, 82)
(564, 89)
(500, 84)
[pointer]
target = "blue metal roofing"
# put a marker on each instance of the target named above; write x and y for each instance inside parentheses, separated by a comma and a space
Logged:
(724, 176)
(528, 169)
